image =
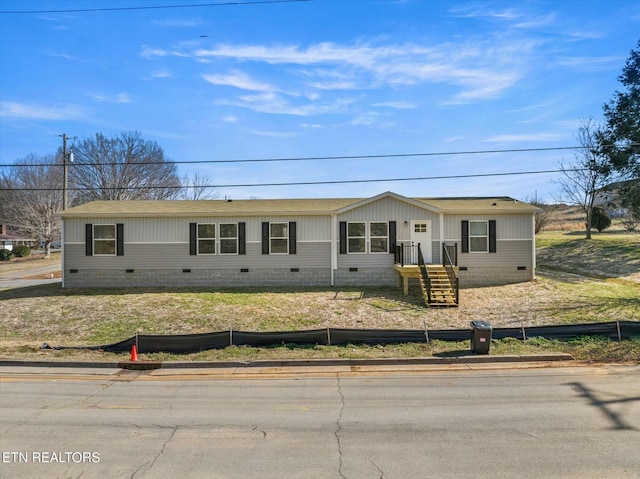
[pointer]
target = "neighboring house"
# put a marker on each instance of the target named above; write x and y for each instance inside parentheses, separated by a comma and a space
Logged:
(338, 242)
(9, 240)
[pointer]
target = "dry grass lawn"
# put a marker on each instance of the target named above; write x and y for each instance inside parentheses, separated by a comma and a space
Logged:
(578, 282)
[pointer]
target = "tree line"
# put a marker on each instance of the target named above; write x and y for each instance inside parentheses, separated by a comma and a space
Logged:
(123, 167)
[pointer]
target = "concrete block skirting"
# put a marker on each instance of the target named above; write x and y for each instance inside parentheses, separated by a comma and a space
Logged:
(493, 275)
(229, 278)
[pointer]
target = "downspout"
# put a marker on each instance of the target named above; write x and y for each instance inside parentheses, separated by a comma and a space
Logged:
(533, 246)
(441, 216)
(334, 251)
(62, 248)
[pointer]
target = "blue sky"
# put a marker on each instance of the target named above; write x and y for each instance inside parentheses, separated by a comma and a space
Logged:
(315, 79)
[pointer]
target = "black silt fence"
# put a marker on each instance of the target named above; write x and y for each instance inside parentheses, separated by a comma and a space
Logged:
(188, 343)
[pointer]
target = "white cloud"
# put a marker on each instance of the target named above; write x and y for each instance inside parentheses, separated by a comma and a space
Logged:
(161, 74)
(590, 63)
(16, 110)
(238, 79)
(117, 98)
(522, 138)
(397, 105)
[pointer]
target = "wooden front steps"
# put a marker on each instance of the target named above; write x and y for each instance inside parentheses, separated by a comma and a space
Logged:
(442, 293)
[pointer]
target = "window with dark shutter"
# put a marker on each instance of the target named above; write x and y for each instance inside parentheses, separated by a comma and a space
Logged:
(465, 236)
(493, 247)
(392, 237)
(193, 239)
(343, 237)
(242, 239)
(292, 237)
(265, 237)
(88, 239)
(120, 239)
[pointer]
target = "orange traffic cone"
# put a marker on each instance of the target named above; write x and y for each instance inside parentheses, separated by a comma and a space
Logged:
(134, 353)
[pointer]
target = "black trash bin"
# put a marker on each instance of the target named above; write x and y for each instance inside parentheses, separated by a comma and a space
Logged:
(480, 337)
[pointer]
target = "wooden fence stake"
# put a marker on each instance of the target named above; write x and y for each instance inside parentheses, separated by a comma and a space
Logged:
(524, 335)
(426, 331)
(618, 328)
(328, 336)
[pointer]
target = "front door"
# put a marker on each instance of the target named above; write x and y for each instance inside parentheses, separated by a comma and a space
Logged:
(421, 233)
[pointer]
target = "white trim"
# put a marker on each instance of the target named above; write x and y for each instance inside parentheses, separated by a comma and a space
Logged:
(334, 246)
(93, 239)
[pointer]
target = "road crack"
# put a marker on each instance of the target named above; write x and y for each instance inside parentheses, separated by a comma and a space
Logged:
(339, 429)
(153, 461)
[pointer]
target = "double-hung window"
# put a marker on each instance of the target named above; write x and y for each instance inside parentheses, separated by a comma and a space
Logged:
(379, 237)
(478, 236)
(375, 232)
(279, 238)
(104, 240)
(206, 238)
(357, 237)
(228, 238)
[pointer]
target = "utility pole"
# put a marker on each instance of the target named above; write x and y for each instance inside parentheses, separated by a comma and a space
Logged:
(65, 182)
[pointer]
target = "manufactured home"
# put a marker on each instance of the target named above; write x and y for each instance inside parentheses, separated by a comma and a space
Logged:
(322, 242)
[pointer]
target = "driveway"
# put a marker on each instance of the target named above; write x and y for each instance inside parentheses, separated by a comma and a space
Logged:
(24, 279)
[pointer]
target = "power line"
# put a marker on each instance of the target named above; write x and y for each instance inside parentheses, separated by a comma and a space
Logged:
(305, 183)
(153, 7)
(318, 158)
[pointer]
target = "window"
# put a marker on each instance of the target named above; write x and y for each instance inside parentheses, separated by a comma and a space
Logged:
(207, 238)
(279, 238)
(356, 237)
(420, 228)
(478, 237)
(228, 238)
(104, 240)
(379, 234)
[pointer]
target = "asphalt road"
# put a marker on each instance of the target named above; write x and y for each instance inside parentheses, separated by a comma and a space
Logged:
(23, 279)
(581, 422)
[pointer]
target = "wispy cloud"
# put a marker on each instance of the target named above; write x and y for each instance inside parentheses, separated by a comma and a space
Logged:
(160, 74)
(241, 80)
(523, 138)
(481, 69)
(30, 111)
(117, 98)
(591, 63)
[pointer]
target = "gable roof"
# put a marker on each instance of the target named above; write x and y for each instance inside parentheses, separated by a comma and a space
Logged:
(305, 207)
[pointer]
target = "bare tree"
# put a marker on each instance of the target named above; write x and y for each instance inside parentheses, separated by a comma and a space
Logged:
(125, 167)
(543, 215)
(31, 196)
(584, 178)
(196, 187)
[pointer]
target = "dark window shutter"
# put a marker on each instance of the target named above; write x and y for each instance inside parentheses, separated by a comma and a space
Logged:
(88, 239)
(120, 239)
(392, 237)
(193, 239)
(242, 239)
(465, 236)
(292, 237)
(265, 237)
(492, 236)
(343, 237)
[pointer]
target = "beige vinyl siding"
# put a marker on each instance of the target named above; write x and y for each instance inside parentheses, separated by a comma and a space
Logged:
(176, 256)
(176, 230)
(509, 227)
(509, 253)
(389, 209)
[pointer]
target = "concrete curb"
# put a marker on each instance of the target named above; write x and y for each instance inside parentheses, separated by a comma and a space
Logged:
(319, 363)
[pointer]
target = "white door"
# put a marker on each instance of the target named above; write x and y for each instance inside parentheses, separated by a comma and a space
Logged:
(421, 233)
